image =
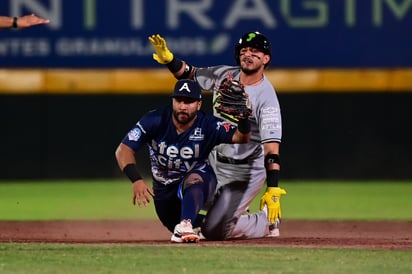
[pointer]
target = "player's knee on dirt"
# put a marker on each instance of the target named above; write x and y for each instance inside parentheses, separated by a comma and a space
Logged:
(220, 218)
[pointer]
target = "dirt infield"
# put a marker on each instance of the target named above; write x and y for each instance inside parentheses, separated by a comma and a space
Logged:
(359, 234)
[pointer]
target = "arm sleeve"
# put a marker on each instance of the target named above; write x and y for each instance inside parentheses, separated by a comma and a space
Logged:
(269, 120)
(210, 77)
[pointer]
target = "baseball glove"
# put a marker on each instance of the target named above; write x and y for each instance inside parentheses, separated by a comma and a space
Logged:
(232, 101)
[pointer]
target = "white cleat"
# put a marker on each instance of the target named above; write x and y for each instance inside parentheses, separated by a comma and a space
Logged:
(273, 232)
(198, 231)
(183, 233)
(273, 228)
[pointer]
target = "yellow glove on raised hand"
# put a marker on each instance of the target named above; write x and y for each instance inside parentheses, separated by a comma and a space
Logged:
(271, 199)
(163, 54)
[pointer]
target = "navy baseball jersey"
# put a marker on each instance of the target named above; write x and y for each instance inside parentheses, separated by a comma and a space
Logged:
(172, 155)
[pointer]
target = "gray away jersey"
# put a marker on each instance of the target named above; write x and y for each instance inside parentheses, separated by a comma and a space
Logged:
(266, 122)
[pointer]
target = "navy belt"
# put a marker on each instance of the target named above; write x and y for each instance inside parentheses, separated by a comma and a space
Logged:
(226, 160)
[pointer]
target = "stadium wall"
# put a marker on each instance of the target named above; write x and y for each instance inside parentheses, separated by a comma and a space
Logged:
(326, 135)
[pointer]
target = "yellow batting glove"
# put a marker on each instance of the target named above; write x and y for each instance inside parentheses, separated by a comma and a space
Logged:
(271, 199)
(163, 54)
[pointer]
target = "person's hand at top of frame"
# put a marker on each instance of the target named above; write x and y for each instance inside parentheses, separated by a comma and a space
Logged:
(22, 22)
(162, 54)
(30, 20)
(141, 193)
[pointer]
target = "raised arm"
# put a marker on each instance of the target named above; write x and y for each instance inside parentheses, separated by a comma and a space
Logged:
(179, 68)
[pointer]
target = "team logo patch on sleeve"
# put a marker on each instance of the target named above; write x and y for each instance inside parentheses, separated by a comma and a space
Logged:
(225, 125)
(134, 134)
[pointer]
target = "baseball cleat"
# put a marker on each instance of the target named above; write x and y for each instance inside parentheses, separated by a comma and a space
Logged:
(198, 231)
(183, 233)
(274, 229)
(273, 233)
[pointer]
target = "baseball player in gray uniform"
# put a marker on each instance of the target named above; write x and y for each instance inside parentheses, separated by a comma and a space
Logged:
(241, 169)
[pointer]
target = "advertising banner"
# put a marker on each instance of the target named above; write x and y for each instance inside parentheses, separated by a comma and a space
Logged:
(303, 33)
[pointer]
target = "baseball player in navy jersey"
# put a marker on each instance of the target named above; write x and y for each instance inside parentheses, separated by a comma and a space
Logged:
(180, 138)
(251, 163)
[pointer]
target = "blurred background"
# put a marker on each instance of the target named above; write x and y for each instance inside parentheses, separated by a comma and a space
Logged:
(70, 90)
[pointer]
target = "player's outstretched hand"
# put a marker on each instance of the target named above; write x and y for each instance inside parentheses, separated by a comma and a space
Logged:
(162, 54)
(141, 193)
(271, 199)
(30, 20)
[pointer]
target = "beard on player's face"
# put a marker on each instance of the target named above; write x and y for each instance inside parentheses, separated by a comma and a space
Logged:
(183, 117)
(249, 71)
(251, 63)
(249, 67)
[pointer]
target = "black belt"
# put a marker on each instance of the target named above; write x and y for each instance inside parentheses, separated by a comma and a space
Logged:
(226, 160)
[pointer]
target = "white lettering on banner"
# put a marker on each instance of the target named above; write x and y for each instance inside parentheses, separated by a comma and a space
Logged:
(319, 20)
(90, 14)
(55, 12)
(137, 14)
(25, 47)
(195, 9)
(350, 18)
(398, 10)
(192, 45)
(137, 46)
(241, 10)
(312, 14)
(100, 47)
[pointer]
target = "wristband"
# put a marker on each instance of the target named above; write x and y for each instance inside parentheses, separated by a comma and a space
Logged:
(272, 159)
(243, 125)
(272, 178)
(186, 72)
(175, 65)
(15, 26)
(131, 172)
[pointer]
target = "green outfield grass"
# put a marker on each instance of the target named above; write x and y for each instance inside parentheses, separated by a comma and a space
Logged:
(48, 258)
(102, 199)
